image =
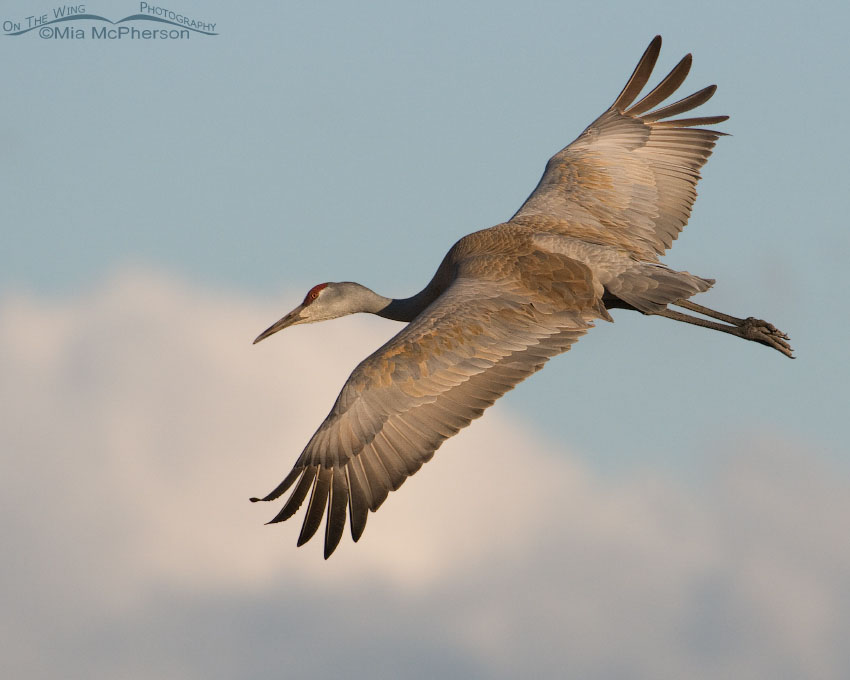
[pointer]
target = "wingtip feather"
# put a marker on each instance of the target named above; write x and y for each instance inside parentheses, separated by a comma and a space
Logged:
(358, 502)
(671, 82)
(318, 504)
(281, 488)
(640, 75)
(688, 103)
(296, 498)
(337, 506)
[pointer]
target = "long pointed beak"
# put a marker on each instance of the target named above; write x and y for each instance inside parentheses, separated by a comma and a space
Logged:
(293, 317)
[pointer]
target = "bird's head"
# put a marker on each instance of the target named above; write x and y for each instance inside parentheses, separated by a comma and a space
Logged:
(328, 301)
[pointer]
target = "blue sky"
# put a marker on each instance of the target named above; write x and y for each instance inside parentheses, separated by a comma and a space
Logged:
(332, 142)
(309, 142)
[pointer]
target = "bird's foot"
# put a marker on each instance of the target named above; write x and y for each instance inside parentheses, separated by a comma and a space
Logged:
(765, 333)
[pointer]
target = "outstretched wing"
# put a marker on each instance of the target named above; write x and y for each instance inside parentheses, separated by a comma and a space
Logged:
(629, 180)
(470, 346)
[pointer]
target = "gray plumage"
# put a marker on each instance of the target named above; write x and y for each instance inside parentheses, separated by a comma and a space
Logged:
(506, 299)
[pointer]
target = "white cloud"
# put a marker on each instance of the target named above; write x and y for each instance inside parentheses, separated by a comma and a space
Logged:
(139, 420)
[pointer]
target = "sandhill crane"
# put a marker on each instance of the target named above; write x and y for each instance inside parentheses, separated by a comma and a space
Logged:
(506, 299)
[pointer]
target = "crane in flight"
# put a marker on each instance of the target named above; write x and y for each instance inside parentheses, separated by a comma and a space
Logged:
(506, 299)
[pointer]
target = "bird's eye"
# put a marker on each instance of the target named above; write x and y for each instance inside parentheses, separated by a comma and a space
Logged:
(313, 293)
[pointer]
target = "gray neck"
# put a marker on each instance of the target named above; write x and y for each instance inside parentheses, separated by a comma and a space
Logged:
(407, 309)
(358, 298)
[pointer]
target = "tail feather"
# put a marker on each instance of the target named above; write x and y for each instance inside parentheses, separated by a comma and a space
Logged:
(650, 287)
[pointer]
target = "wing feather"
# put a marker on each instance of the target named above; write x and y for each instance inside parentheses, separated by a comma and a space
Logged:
(640, 76)
(359, 498)
(690, 102)
(318, 502)
(297, 497)
(629, 180)
(376, 473)
(337, 506)
(665, 88)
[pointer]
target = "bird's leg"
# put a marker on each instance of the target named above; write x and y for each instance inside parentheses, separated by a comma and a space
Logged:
(750, 328)
(714, 314)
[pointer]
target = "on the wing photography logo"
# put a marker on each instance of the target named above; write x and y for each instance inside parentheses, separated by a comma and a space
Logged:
(74, 22)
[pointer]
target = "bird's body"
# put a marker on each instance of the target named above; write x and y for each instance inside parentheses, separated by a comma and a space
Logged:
(506, 299)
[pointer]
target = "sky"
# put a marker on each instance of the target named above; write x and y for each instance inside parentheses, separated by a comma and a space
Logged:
(662, 501)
